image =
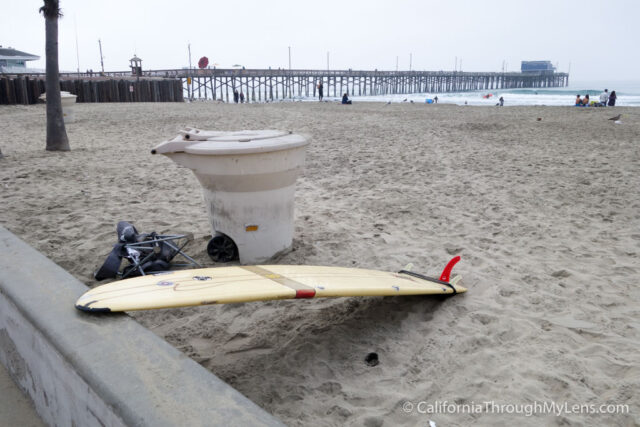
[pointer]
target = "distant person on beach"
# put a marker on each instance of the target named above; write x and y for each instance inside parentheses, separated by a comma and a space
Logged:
(241, 97)
(612, 98)
(236, 96)
(501, 101)
(604, 98)
(585, 100)
(435, 99)
(345, 99)
(320, 90)
(578, 101)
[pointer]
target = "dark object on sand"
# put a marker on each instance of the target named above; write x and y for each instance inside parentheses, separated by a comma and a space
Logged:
(539, 119)
(616, 118)
(372, 359)
(145, 253)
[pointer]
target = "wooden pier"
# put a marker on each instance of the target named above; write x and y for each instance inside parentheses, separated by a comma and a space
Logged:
(264, 85)
(21, 89)
(271, 85)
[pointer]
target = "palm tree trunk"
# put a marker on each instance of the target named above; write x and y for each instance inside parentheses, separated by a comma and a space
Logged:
(57, 139)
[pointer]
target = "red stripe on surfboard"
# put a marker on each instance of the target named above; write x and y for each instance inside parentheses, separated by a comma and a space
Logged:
(305, 293)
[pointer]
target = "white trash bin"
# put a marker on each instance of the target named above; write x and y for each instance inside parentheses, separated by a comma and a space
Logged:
(248, 181)
(68, 101)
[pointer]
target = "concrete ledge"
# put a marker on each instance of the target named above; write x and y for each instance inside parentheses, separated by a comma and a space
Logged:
(92, 370)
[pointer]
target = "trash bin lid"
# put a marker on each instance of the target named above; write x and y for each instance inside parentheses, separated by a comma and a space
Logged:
(241, 142)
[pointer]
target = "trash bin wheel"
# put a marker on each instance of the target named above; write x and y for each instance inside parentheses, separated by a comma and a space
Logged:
(222, 248)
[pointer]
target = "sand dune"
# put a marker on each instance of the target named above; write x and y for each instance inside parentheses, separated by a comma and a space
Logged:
(546, 216)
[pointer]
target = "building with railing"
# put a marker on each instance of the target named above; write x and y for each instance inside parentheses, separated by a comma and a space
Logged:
(15, 62)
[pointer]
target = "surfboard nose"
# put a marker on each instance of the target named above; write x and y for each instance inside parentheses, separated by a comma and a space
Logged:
(88, 309)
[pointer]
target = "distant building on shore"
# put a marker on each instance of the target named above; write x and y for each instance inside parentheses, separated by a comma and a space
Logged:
(15, 62)
(537, 67)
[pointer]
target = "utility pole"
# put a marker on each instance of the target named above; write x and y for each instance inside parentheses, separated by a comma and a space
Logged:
(396, 64)
(327, 61)
(289, 77)
(410, 60)
(101, 57)
(75, 23)
(190, 73)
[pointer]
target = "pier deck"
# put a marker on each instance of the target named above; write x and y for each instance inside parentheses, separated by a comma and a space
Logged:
(260, 85)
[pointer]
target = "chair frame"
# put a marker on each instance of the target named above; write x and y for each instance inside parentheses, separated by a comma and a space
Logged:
(148, 249)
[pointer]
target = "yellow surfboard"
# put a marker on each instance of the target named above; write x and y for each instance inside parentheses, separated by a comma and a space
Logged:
(224, 285)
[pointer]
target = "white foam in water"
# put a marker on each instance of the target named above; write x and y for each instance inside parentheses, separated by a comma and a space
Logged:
(628, 95)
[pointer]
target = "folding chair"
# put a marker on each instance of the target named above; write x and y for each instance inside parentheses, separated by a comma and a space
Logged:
(145, 253)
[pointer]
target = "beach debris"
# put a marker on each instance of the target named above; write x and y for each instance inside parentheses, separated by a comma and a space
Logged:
(539, 119)
(388, 102)
(432, 423)
(616, 118)
(372, 359)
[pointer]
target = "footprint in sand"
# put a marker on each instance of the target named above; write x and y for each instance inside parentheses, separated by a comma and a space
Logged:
(561, 274)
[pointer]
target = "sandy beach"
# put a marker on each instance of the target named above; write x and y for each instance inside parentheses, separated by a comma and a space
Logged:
(545, 214)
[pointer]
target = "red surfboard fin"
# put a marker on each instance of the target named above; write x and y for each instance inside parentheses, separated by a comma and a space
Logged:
(446, 273)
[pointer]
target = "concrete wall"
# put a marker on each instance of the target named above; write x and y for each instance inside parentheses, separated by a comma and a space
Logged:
(92, 370)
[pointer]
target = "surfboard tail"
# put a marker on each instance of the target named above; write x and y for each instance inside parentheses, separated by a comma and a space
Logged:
(445, 276)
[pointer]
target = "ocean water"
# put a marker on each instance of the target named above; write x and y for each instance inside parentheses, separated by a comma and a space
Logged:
(628, 95)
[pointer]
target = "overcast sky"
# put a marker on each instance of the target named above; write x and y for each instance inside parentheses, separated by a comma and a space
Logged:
(597, 39)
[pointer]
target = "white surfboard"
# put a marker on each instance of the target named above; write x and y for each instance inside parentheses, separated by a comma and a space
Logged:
(236, 284)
